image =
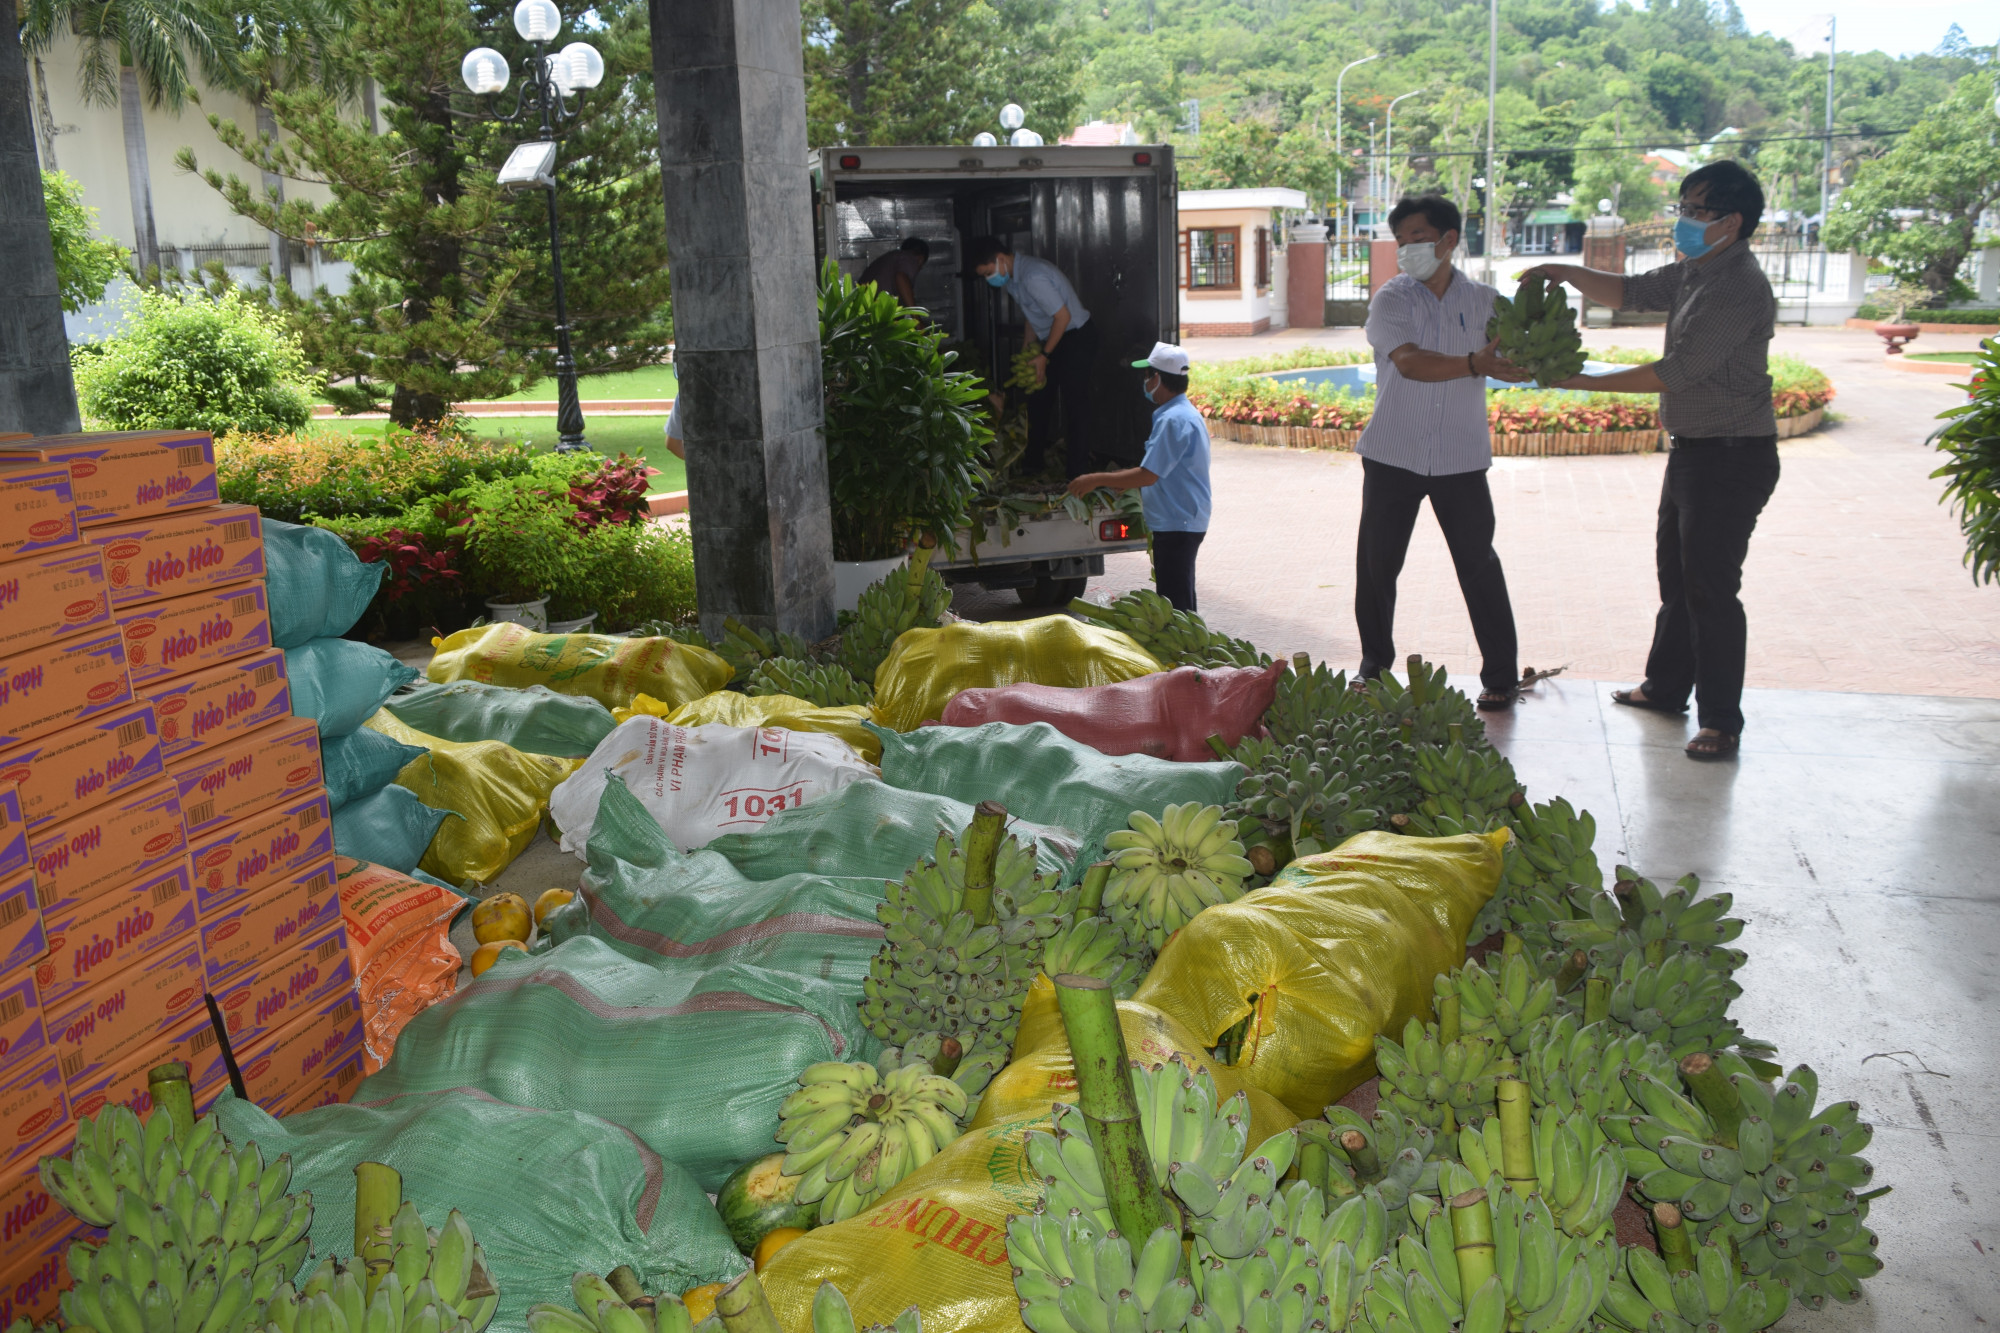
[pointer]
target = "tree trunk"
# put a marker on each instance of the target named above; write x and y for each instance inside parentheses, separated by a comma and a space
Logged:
(368, 104)
(45, 120)
(274, 188)
(138, 174)
(416, 411)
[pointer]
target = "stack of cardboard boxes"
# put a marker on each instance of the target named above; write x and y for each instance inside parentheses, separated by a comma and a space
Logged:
(164, 834)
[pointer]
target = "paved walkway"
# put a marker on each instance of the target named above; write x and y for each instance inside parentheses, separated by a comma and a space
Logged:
(1854, 581)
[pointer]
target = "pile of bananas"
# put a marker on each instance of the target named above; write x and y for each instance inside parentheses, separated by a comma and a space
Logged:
(940, 972)
(902, 600)
(744, 648)
(1310, 699)
(1505, 1006)
(939, 1054)
(437, 1282)
(1427, 709)
(1574, 1068)
(1549, 864)
(1429, 1079)
(1392, 1156)
(1317, 790)
(1537, 331)
(1682, 1002)
(821, 684)
(1647, 1298)
(1171, 868)
(1466, 790)
(832, 1314)
(200, 1234)
(1174, 638)
(601, 1309)
(852, 1134)
(1092, 946)
(1579, 1175)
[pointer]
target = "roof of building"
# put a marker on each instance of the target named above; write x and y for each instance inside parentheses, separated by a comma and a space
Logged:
(1266, 196)
(1104, 133)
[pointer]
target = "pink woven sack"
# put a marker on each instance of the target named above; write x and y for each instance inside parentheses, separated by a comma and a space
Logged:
(1169, 715)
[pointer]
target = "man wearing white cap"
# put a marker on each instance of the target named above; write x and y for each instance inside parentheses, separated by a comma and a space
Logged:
(1174, 475)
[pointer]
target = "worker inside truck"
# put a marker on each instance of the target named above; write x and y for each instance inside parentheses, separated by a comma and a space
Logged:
(896, 272)
(1068, 342)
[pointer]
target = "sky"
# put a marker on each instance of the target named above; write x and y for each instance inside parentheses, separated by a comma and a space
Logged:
(1905, 27)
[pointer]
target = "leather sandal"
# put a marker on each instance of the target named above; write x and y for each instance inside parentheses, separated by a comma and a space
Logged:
(1494, 701)
(1714, 745)
(1632, 698)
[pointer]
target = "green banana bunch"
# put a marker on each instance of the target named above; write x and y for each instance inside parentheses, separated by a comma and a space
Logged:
(831, 1314)
(1077, 1275)
(25, 1325)
(852, 1134)
(1682, 1002)
(1428, 710)
(1309, 697)
(600, 1309)
(1537, 331)
(904, 599)
(939, 1054)
(1573, 1068)
(1173, 638)
(1324, 786)
(1172, 868)
(1548, 871)
(1582, 1175)
(1392, 1155)
(1425, 1078)
(939, 972)
(822, 684)
(1637, 917)
(1468, 785)
(1646, 1298)
(743, 647)
(1504, 1006)
(437, 1282)
(1092, 946)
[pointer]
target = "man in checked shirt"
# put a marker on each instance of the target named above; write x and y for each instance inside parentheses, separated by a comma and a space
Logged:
(1715, 402)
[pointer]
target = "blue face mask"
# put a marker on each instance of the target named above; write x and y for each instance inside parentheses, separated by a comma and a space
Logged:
(1145, 392)
(1691, 237)
(996, 279)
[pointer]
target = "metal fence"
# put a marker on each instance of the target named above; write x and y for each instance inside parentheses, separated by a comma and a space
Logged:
(1347, 269)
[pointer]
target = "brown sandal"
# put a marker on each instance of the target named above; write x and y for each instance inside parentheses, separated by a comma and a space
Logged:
(1632, 698)
(1713, 745)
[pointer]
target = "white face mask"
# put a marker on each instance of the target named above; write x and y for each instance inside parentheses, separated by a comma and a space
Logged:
(1420, 260)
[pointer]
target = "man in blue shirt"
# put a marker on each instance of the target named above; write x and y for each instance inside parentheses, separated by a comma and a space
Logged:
(1067, 362)
(1174, 473)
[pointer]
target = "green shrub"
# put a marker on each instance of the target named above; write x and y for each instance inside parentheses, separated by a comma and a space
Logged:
(1970, 439)
(86, 263)
(189, 362)
(1873, 311)
(295, 476)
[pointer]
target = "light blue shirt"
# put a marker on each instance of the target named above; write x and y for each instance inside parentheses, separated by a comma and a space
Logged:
(1434, 428)
(1177, 453)
(1040, 289)
(674, 420)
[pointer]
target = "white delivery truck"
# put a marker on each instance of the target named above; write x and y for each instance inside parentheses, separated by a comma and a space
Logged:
(1107, 217)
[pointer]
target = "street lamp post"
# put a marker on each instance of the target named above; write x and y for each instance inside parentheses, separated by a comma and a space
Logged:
(1339, 151)
(550, 82)
(1389, 149)
(1492, 92)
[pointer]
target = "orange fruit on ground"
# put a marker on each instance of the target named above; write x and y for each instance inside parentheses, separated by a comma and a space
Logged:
(773, 1242)
(550, 901)
(489, 953)
(700, 1301)
(504, 916)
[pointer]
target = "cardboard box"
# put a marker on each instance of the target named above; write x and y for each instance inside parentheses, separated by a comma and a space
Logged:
(48, 597)
(150, 559)
(194, 631)
(23, 941)
(257, 852)
(94, 1031)
(208, 707)
(32, 1108)
(294, 1061)
(60, 684)
(334, 1088)
(36, 513)
(30, 1218)
(21, 1033)
(123, 1082)
(268, 924)
(265, 1000)
(102, 937)
(31, 1283)
(118, 842)
(13, 834)
(115, 475)
(274, 765)
(84, 766)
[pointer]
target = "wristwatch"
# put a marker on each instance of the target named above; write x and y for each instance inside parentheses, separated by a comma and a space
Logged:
(1471, 369)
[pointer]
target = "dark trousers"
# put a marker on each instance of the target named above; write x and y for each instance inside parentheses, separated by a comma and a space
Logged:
(1173, 566)
(1390, 498)
(1069, 385)
(1708, 508)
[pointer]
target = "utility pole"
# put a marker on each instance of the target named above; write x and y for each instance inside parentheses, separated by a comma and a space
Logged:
(1389, 150)
(1374, 180)
(1339, 127)
(1492, 92)
(1826, 163)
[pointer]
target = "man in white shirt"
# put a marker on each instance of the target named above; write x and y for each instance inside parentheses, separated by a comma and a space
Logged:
(1067, 362)
(1428, 437)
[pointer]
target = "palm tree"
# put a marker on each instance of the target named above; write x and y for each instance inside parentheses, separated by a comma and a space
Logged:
(157, 45)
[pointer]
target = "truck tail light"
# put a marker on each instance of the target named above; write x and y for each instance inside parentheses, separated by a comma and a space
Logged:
(1142, 159)
(850, 161)
(1113, 530)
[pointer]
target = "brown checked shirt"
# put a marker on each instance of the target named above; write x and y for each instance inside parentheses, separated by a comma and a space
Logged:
(1719, 323)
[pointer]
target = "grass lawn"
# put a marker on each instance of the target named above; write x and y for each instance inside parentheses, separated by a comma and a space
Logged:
(647, 382)
(1960, 358)
(644, 436)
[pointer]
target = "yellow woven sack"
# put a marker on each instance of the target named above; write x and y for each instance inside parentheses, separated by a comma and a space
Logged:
(939, 1240)
(1340, 947)
(783, 711)
(608, 668)
(498, 792)
(928, 668)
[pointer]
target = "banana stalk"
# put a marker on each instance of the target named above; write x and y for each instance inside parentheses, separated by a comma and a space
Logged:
(1676, 1245)
(1091, 900)
(744, 1308)
(1717, 1095)
(1472, 1239)
(168, 1084)
(982, 853)
(378, 1194)
(1517, 1136)
(1139, 1206)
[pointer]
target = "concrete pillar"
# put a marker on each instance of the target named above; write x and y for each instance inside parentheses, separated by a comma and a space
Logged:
(1281, 298)
(36, 392)
(730, 81)
(1305, 277)
(1986, 274)
(1381, 263)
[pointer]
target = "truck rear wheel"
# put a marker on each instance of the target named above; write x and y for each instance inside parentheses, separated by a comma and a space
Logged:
(1052, 592)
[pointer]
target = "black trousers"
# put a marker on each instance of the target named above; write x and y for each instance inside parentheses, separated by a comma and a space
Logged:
(1709, 504)
(1390, 498)
(1173, 566)
(1069, 385)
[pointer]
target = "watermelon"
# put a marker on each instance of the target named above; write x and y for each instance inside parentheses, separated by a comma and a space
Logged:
(757, 1199)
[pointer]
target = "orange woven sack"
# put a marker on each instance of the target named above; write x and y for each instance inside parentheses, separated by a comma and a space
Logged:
(398, 934)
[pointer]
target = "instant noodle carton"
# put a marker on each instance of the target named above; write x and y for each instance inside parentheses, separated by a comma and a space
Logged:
(260, 850)
(209, 707)
(124, 1082)
(275, 993)
(31, 1285)
(48, 597)
(33, 1107)
(295, 1062)
(84, 766)
(36, 512)
(57, 685)
(13, 834)
(96, 1030)
(273, 765)
(21, 1034)
(116, 475)
(193, 631)
(334, 1087)
(29, 1215)
(22, 939)
(150, 559)
(98, 850)
(104, 936)
(268, 924)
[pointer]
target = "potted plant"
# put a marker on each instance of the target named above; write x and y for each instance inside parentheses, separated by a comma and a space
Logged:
(1895, 331)
(904, 432)
(520, 543)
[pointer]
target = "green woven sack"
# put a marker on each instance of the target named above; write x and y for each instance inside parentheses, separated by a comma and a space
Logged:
(546, 1192)
(535, 719)
(361, 762)
(390, 827)
(339, 683)
(318, 587)
(649, 901)
(1040, 774)
(692, 1056)
(872, 830)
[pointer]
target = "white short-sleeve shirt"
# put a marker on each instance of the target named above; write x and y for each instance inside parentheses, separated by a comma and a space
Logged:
(1435, 428)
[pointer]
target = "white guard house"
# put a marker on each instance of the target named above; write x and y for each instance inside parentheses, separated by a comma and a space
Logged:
(1232, 279)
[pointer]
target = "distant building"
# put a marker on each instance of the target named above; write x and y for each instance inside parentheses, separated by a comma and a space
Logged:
(1102, 134)
(1231, 266)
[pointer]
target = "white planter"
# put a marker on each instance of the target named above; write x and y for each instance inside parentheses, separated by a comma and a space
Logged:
(852, 577)
(534, 615)
(578, 626)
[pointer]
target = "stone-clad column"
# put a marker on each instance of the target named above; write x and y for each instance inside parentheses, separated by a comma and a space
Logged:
(730, 80)
(37, 394)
